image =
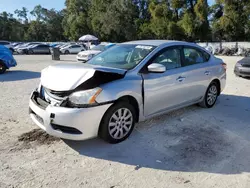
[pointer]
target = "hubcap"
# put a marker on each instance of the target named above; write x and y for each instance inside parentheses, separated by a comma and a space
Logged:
(120, 123)
(212, 95)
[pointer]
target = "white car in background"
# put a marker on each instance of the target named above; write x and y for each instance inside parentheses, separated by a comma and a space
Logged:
(72, 49)
(88, 54)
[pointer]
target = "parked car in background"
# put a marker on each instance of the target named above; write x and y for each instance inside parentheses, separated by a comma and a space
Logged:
(242, 67)
(22, 48)
(39, 49)
(72, 49)
(125, 84)
(88, 54)
(6, 59)
(7, 45)
(66, 44)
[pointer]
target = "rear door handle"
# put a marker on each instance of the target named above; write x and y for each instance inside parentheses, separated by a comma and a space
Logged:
(207, 72)
(180, 78)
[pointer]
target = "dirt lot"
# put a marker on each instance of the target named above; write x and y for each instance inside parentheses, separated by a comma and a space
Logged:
(191, 147)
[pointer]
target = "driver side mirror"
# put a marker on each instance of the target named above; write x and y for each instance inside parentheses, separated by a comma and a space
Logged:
(156, 68)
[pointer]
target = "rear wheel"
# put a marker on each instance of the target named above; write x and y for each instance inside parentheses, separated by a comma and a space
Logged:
(2, 67)
(30, 52)
(118, 122)
(211, 95)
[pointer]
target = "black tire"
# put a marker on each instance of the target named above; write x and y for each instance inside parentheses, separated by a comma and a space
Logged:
(66, 52)
(30, 52)
(2, 67)
(104, 130)
(206, 103)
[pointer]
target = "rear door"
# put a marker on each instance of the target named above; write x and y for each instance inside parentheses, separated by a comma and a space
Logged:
(197, 72)
(164, 91)
(39, 49)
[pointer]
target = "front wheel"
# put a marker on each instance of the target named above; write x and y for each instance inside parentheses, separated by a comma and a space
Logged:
(118, 123)
(2, 68)
(211, 96)
(66, 52)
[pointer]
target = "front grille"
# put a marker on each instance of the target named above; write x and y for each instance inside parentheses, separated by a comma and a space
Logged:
(40, 102)
(245, 65)
(64, 129)
(60, 94)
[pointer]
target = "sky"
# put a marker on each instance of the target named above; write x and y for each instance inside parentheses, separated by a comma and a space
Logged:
(11, 5)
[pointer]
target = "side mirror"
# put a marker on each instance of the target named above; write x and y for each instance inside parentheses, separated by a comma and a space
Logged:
(156, 68)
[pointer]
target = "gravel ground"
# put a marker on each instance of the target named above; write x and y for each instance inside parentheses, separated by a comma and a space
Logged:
(191, 147)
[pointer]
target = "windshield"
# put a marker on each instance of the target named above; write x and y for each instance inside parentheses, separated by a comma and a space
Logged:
(124, 56)
(99, 47)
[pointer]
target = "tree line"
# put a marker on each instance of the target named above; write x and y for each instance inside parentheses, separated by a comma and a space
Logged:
(123, 20)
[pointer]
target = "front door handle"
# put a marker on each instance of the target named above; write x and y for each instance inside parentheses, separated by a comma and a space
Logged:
(207, 72)
(180, 78)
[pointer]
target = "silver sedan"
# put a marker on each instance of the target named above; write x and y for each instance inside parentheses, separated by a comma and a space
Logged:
(123, 85)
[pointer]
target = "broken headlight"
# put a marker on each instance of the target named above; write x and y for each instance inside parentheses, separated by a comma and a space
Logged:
(84, 97)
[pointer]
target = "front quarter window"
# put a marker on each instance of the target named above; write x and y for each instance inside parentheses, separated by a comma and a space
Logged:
(124, 56)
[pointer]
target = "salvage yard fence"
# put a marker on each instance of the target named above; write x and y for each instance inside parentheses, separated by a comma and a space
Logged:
(221, 45)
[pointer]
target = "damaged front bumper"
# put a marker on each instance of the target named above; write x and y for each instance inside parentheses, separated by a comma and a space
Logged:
(64, 122)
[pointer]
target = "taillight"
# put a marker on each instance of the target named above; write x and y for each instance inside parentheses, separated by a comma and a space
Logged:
(224, 65)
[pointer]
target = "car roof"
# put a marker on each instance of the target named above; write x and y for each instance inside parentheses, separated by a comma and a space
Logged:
(155, 42)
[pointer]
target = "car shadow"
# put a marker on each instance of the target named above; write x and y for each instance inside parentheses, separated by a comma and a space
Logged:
(15, 75)
(190, 140)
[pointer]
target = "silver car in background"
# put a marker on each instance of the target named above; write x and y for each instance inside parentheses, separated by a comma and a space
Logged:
(125, 84)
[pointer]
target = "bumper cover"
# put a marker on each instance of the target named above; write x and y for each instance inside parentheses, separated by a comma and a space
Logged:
(85, 120)
(242, 71)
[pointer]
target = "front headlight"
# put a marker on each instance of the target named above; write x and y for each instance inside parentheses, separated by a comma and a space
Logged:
(238, 64)
(84, 97)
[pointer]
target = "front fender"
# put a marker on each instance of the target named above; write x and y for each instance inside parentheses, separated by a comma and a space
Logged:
(124, 87)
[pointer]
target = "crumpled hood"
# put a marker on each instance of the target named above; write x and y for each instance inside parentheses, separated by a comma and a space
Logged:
(88, 52)
(68, 76)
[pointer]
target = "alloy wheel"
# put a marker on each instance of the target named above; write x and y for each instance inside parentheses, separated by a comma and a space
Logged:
(212, 95)
(120, 123)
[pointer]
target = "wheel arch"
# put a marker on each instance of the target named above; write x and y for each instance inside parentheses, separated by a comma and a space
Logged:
(131, 100)
(217, 81)
(2, 63)
(127, 98)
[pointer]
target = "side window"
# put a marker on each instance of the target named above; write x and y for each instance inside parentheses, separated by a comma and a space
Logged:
(206, 56)
(170, 58)
(192, 56)
(76, 46)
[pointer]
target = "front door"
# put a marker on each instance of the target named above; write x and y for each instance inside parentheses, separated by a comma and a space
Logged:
(163, 91)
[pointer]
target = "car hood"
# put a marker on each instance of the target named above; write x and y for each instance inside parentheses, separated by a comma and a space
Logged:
(68, 76)
(245, 61)
(89, 52)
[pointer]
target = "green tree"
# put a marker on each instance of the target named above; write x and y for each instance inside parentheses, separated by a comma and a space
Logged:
(76, 19)
(231, 19)
(36, 31)
(114, 20)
